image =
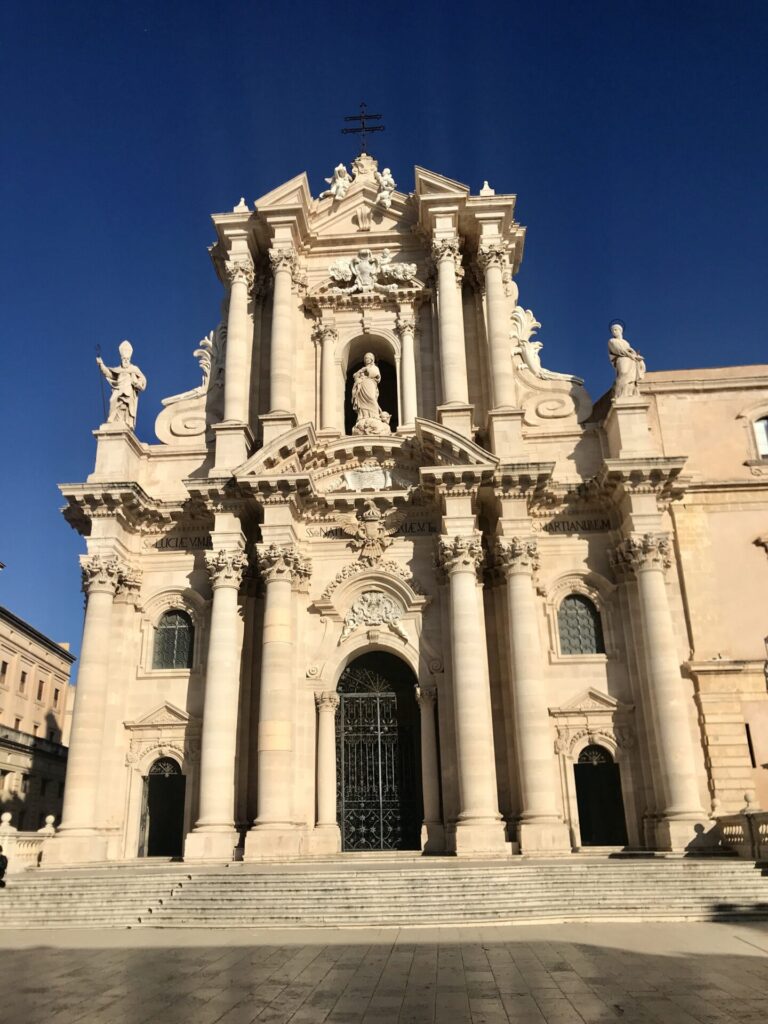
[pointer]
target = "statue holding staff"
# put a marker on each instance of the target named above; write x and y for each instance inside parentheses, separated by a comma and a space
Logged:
(126, 381)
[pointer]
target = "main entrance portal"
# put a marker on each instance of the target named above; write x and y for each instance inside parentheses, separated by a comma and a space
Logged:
(377, 756)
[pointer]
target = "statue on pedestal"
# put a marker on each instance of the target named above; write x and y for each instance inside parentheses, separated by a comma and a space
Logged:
(628, 364)
(386, 184)
(339, 183)
(126, 381)
(365, 399)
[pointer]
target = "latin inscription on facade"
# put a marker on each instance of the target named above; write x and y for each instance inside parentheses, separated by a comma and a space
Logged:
(337, 532)
(572, 525)
(184, 543)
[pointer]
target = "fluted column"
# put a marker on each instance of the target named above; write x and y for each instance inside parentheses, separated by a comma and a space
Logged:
(453, 357)
(327, 704)
(327, 337)
(541, 826)
(432, 836)
(101, 579)
(281, 371)
(214, 833)
(274, 831)
(649, 556)
(239, 272)
(406, 326)
(478, 827)
(491, 260)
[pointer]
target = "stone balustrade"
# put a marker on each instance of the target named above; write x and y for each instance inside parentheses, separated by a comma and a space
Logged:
(24, 849)
(745, 834)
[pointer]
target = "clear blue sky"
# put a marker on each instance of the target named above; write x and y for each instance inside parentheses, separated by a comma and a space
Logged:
(633, 133)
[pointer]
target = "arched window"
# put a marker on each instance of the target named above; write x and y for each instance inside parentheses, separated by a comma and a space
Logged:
(579, 626)
(174, 638)
(761, 437)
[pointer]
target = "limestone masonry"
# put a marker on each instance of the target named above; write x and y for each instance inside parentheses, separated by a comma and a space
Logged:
(386, 582)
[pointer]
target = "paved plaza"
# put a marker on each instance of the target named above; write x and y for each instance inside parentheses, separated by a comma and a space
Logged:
(549, 974)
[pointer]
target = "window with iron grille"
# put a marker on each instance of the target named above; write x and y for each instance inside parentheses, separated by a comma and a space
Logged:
(579, 626)
(761, 436)
(173, 641)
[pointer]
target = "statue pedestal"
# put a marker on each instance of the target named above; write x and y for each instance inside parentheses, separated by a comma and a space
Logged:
(275, 424)
(456, 417)
(234, 442)
(505, 431)
(628, 428)
(118, 453)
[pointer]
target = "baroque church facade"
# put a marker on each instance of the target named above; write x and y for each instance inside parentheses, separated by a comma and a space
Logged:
(386, 583)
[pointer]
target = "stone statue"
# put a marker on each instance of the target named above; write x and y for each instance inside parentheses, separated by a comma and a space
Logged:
(339, 183)
(387, 186)
(365, 399)
(126, 381)
(628, 364)
(365, 269)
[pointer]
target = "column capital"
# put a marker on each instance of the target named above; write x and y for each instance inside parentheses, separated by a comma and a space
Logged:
(283, 562)
(405, 323)
(325, 333)
(240, 269)
(517, 554)
(327, 701)
(129, 584)
(283, 258)
(492, 254)
(225, 568)
(641, 552)
(426, 697)
(460, 553)
(101, 573)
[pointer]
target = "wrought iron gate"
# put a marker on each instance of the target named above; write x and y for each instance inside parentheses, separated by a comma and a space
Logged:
(378, 795)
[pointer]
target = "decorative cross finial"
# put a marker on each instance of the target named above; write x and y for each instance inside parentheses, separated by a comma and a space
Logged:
(364, 129)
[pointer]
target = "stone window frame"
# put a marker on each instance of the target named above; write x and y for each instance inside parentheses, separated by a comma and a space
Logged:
(599, 631)
(750, 416)
(596, 589)
(154, 608)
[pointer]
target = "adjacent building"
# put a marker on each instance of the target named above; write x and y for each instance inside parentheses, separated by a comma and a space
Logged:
(386, 582)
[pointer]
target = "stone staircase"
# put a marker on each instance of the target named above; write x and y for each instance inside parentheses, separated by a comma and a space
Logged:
(381, 894)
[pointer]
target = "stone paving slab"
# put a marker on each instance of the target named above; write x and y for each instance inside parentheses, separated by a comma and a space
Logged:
(545, 974)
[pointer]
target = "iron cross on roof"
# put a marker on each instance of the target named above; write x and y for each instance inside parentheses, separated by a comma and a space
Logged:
(364, 129)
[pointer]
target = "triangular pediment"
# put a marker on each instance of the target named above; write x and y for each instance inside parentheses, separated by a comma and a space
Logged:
(591, 700)
(358, 217)
(291, 193)
(430, 183)
(164, 714)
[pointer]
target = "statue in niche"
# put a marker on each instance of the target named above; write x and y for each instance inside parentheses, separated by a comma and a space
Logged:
(386, 184)
(339, 183)
(371, 419)
(628, 364)
(126, 381)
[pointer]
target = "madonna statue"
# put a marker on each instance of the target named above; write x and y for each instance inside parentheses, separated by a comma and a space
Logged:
(365, 399)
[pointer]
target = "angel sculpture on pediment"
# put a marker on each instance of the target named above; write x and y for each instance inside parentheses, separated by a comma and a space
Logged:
(339, 183)
(371, 530)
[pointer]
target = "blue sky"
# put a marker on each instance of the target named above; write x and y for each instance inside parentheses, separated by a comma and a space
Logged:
(634, 135)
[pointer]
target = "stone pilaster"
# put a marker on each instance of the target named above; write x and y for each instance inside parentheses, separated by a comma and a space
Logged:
(479, 829)
(327, 834)
(541, 828)
(649, 556)
(214, 836)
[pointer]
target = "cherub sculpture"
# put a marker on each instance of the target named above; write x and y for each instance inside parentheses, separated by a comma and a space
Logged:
(371, 530)
(386, 184)
(339, 183)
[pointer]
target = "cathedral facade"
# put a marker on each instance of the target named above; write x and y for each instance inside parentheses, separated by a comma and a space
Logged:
(386, 583)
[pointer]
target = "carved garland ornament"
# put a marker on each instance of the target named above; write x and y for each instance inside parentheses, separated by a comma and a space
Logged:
(373, 608)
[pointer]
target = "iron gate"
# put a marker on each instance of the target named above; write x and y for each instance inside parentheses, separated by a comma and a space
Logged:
(378, 795)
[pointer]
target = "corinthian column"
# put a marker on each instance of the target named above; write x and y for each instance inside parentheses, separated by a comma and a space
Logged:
(77, 838)
(649, 556)
(239, 271)
(478, 828)
(453, 357)
(327, 337)
(432, 833)
(406, 327)
(214, 836)
(274, 831)
(281, 371)
(541, 827)
(491, 260)
(327, 703)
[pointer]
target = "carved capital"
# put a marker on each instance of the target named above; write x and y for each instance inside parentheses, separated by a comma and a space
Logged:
(460, 554)
(283, 563)
(225, 568)
(445, 248)
(491, 256)
(327, 702)
(516, 554)
(282, 259)
(325, 334)
(129, 584)
(426, 697)
(240, 269)
(100, 572)
(405, 323)
(641, 552)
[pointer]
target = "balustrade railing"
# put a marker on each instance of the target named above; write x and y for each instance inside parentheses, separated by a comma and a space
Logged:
(746, 834)
(24, 849)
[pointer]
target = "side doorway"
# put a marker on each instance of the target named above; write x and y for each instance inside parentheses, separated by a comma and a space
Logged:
(162, 816)
(598, 796)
